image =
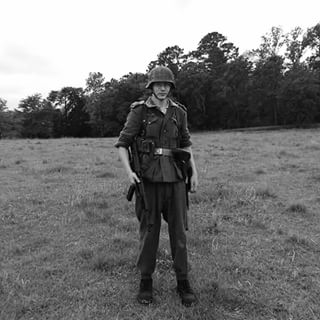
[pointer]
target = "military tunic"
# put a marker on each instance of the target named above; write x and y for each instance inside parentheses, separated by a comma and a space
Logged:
(164, 185)
(168, 130)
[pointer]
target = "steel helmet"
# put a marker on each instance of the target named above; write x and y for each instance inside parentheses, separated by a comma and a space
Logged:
(160, 74)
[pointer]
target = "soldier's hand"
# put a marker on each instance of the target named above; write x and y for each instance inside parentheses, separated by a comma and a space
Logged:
(194, 183)
(133, 178)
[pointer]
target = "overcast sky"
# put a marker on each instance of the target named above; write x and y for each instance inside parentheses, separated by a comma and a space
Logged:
(48, 44)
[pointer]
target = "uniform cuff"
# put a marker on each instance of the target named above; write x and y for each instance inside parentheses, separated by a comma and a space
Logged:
(121, 144)
(185, 144)
(124, 141)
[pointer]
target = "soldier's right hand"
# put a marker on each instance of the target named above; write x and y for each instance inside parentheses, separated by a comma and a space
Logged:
(133, 178)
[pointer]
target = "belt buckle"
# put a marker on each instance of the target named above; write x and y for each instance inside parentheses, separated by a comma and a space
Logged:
(159, 151)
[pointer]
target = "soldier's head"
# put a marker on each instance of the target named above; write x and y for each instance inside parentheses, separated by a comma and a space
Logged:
(160, 81)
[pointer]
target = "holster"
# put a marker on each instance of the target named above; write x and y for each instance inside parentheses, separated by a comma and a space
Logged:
(182, 160)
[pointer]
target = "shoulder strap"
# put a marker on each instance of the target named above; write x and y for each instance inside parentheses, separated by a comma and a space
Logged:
(141, 103)
(136, 104)
(181, 106)
(178, 104)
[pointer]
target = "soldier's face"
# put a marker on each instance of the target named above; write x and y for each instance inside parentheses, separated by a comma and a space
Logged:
(161, 90)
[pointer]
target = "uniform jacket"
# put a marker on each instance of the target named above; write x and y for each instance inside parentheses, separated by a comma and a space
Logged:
(168, 130)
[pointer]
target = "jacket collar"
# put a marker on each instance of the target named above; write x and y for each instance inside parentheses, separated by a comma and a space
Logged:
(151, 104)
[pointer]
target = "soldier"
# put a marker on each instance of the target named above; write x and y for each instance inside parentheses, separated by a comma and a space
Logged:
(158, 126)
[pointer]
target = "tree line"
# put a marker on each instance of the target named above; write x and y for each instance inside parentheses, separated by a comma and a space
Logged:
(276, 84)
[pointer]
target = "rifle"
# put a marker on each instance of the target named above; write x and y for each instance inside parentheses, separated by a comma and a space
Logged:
(138, 187)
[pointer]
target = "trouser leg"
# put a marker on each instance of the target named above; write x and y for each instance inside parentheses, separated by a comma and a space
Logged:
(175, 216)
(149, 238)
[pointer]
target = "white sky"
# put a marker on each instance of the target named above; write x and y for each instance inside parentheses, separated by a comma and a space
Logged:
(48, 44)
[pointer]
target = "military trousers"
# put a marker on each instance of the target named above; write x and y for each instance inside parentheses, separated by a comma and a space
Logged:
(167, 199)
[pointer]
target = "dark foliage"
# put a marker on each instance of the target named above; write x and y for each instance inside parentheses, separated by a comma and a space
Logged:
(221, 89)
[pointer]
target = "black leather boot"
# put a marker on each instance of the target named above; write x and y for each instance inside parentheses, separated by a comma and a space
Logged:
(145, 292)
(186, 293)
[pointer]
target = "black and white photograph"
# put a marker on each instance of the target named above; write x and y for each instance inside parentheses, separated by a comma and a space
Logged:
(159, 160)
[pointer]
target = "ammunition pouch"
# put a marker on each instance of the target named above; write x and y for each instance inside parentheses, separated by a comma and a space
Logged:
(145, 146)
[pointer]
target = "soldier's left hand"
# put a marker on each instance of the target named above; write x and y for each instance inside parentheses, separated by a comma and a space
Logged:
(194, 183)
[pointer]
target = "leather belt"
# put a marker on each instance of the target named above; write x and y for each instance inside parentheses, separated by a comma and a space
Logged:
(163, 152)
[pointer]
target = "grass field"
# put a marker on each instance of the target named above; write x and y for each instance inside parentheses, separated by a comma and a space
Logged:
(68, 237)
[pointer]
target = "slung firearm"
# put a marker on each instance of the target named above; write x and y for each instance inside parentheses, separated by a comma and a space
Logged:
(138, 187)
